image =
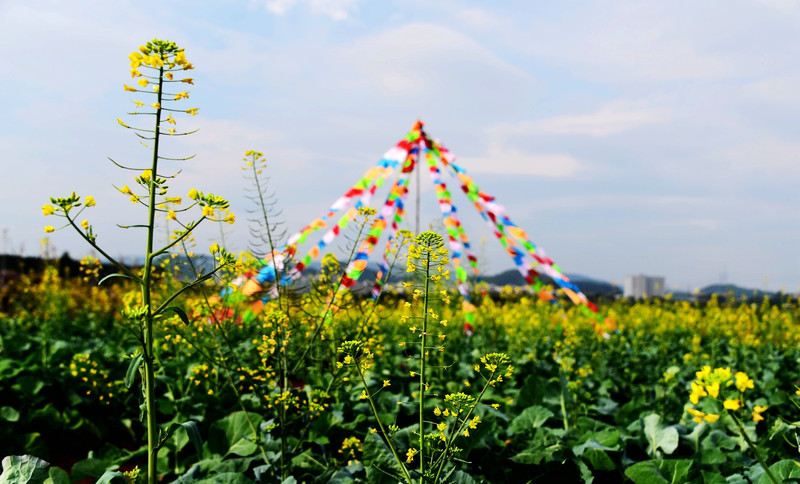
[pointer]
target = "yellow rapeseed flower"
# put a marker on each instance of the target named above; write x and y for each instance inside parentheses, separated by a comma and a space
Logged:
(48, 210)
(732, 404)
(757, 411)
(90, 201)
(191, 111)
(171, 215)
(49, 229)
(143, 82)
(128, 88)
(208, 211)
(193, 194)
(743, 382)
(85, 225)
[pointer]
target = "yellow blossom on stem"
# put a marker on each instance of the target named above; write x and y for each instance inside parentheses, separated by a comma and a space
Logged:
(143, 82)
(214, 248)
(49, 229)
(208, 211)
(48, 210)
(85, 225)
(743, 382)
(126, 190)
(230, 218)
(191, 111)
(757, 411)
(128, 88)
(171, 215)
(731, 404)
(193, 194)
(90, 201)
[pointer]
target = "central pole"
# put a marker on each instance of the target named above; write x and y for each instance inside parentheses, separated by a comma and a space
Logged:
(417, 169)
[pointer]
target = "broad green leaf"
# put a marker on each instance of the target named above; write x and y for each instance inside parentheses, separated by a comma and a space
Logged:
(9, 414)
(57, 476)
(227, 478)
(712, 478)
(659, 471)
(379, 461)
(658, 436)
(233, 435)
(529, 419)
(192, 432)
(782, 470)
(109, 477)
(133, 368)
(23, 469)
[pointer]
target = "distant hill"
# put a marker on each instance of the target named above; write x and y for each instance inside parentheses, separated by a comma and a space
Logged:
(737, 292)
(588, 285)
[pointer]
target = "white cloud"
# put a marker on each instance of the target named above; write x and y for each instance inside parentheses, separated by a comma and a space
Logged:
(422, 57)
(511, 161)
(335, 9)
(607, 121)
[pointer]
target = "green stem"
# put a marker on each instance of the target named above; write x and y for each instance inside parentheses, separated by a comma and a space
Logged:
(380, 425)
(422, 371)
(148, 349)
(755, 449)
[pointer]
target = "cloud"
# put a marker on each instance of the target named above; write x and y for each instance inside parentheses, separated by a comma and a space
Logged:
(607, 121)
(421, 57)
(511, 161)
(335, 9)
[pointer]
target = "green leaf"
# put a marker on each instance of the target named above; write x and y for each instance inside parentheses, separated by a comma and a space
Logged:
(227, 478)
(379, 461)
(180, 312)
(782, 470)
(531, 418)
(57, 476)
(9, 414)
(116, 274)
(133, 367)
(110, 477)
(712, 478)
(658, 436)
(233, 435)
(23, 469)
(659, 471)
(191, 431)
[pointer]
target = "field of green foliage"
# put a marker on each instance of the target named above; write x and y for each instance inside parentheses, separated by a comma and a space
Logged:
(656, 391)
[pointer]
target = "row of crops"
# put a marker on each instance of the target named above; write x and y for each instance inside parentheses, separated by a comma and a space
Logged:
(319, 390)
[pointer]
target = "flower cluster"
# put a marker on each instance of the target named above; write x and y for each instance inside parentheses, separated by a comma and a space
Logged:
(725, 387)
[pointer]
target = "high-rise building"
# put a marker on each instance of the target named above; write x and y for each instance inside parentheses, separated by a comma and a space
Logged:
(643, 286)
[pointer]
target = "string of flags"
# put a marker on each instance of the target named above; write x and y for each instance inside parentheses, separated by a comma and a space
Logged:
(417, 148)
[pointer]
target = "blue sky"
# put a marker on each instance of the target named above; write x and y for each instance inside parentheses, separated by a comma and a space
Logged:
(625, 137)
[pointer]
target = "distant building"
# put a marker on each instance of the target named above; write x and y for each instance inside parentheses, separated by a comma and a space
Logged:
(643, 286)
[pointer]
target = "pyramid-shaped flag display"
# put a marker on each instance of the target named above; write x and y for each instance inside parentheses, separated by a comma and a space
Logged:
(402, 159)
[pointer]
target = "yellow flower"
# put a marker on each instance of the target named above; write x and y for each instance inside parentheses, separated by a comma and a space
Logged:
(143, 82)
(171, 215)
(192, 111)
(711, 418)
(181, 95)
(156, 105)
(230, 218)
(697, 414)
(125, 190)
(743, 382)
(85, 225)
(386, 383)
(137, 103)
(410, 455)
(170, 119)
(757, 411)
(90, 201)
(193, 194)
(713, 389)
(48, 210)
(49, 229)
(437, 412)
(731, 404)
(214, 248)
(128, 88)
(188, 80)
(169, 75)
(208, 211)
(147, 174)
(442, 426)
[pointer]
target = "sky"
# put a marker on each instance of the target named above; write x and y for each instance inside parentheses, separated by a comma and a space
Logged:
(625, 137)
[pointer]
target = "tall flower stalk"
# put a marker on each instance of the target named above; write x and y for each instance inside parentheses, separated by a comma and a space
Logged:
(155, 66)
